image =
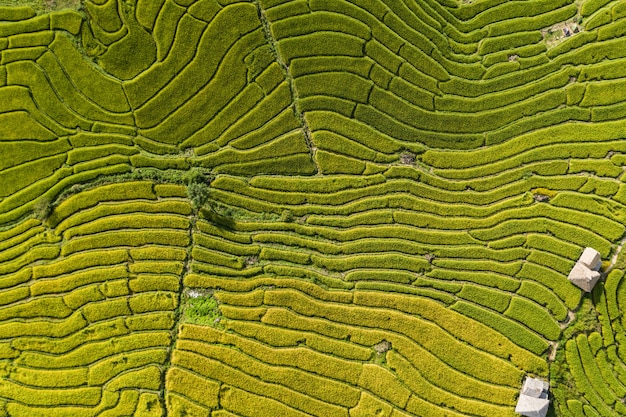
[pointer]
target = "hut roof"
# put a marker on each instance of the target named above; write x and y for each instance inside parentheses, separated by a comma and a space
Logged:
(591, 259)
(583, 277)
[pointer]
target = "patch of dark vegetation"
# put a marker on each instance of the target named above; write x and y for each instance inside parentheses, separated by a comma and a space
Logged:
(407, 158)
(201, 307)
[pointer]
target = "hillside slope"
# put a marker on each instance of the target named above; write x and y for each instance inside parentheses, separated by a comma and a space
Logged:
(310, 207)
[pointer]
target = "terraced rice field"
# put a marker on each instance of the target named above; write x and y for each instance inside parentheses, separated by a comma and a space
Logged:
(359, 208)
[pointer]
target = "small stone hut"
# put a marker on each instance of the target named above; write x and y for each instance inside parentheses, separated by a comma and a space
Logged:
(533, 399)
(585, 273)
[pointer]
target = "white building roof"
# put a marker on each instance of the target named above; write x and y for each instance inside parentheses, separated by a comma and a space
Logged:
(583, 277)
(535, 388)
(533, 400)
(591, 259)
(532, 407)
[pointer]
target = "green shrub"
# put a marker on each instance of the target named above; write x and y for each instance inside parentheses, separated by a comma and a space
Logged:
(202, 310)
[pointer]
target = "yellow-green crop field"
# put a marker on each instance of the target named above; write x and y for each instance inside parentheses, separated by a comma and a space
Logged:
(331, 208)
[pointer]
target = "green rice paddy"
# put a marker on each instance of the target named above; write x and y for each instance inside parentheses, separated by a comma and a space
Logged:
(357, 208)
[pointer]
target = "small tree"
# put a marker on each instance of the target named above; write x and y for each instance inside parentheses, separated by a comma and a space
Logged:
(198, 181)
(42, 209)
(198, 194)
